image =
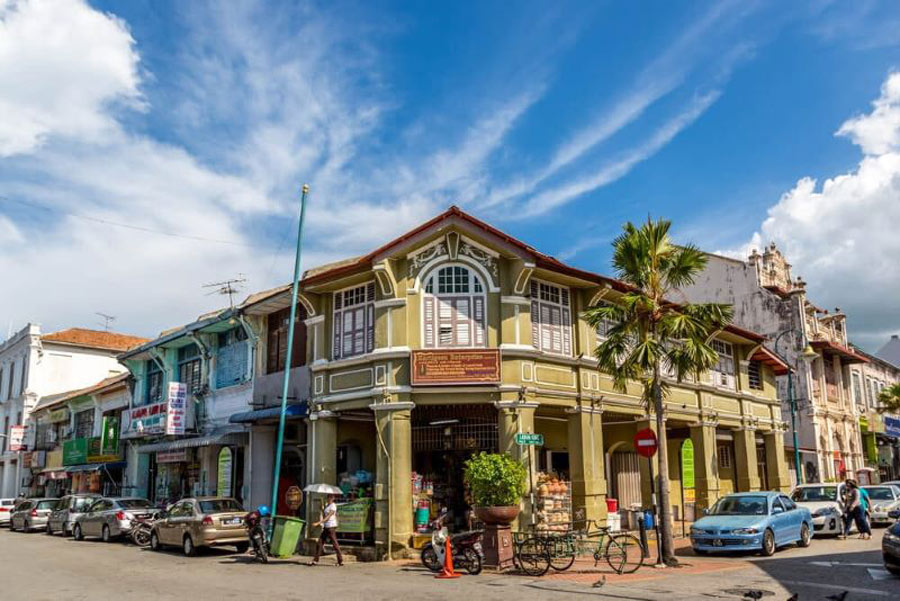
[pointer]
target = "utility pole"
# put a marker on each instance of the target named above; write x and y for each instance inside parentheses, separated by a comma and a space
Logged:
(806, 355)
(295, 289)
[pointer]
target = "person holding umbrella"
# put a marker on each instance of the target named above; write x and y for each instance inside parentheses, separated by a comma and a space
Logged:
(329, 523)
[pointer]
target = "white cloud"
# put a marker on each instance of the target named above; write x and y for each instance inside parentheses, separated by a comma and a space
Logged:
(842, 236)
(49, 50)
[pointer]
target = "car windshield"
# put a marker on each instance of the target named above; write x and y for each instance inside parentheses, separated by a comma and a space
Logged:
(83, 503)
(48, 504)
(220, 506)
(135, 504)
(743, 505)
(6, 503)
(881, 493)
(815, 493)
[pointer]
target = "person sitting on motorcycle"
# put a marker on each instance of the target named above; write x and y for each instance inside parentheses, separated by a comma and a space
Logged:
(253, 519)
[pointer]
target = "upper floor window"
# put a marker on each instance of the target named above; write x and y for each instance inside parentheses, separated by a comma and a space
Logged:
(354, 321)
(153, 392)
(454, 308)
(857, 389)
(231, 357)
(84, 424)
(722, 374)
(189, 367)
(22, 375)
(551, 318)
(603, 328)
(754, 375)
(277, 338)
(12, 376)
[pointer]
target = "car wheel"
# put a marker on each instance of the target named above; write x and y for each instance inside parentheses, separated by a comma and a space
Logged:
(805, 538)
(77, 533)
(104, 534)
(700, 552)
(188, 547)
(892, 570)
(768, 543)
(154, 541)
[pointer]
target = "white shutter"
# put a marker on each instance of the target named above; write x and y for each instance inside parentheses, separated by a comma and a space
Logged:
(479, 320)
(566, 330)
(429, 321)
(370, 328)
(337, 325)
(445, 321)
(556, 330)
(359, 330)
(535, 317)
(462, 322)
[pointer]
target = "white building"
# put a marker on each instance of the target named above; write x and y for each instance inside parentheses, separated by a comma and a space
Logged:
(34, 365)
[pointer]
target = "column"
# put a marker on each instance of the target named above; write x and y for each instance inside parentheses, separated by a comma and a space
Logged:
(776, 464)
(644, 464)
(393, 476)
(586, 464)
(514, 417)
(745, 459)
(262, 464)
(706, 464)
(322, 462)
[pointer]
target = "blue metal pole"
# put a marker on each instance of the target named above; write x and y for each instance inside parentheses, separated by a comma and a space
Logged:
(793, 404)
(295, 287)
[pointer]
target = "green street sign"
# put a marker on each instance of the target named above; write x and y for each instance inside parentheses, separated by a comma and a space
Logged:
(687, 464)
(527, 438)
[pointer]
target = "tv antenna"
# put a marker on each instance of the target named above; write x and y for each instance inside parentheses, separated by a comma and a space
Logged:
(229, 287)
(107, 319)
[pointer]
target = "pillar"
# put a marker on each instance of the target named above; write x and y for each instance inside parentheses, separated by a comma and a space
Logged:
(586, 464)
(322, 462)
(514, 417)
(262, 464)
(776, 466)
(644, 464)
(393, 477)
(706, 465)
(745, 459)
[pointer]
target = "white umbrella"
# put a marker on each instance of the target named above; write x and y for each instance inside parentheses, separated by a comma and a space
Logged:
(323, 489)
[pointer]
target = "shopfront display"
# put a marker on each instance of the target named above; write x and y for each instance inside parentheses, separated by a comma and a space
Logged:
(554, 504)
(177, 475)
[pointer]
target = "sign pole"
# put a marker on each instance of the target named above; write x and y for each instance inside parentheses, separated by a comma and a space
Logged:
(295, 285)
(655, 512)
(681, 471)
(531, 484)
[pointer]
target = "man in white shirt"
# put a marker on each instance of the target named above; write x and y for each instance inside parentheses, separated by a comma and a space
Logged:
(329, 525)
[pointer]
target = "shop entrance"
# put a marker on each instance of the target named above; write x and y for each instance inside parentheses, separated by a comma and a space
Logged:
(443, 438)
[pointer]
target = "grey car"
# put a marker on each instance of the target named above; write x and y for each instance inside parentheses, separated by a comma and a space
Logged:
(110, 517)
(62, 518)
(31, 514)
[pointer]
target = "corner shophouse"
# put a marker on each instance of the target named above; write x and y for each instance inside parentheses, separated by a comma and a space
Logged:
(211, 360)
(454, 337)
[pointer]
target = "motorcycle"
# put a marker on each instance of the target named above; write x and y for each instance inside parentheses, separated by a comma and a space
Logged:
(256, 530)
(141, 529)
(465, 547)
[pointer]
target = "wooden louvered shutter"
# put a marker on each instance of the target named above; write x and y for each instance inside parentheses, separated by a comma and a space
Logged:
(535, 317)
(337, 326)
(370, 317)
(429, 321)
(462, 322)
(478, 319)
(445, 321)
(565, 322)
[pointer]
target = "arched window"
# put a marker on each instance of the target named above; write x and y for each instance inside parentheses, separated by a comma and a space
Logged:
(454, 308)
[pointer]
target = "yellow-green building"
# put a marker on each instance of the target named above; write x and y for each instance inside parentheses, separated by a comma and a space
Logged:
(455, 337)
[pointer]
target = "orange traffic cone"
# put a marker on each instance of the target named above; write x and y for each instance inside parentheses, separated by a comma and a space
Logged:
(447, 572)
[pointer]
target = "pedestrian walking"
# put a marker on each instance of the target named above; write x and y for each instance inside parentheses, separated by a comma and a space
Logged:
(854, 511)
(329, 523)
(865, 503)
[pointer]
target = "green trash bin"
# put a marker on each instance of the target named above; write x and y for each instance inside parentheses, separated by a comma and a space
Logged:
(288, 531)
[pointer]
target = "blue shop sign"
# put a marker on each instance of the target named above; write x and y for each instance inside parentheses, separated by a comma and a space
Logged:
(892, 426)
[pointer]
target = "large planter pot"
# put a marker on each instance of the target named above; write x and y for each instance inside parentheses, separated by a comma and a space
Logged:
(497, 515)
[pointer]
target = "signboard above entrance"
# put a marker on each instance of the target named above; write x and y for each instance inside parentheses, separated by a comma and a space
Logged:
(527, 438)
(459, 366)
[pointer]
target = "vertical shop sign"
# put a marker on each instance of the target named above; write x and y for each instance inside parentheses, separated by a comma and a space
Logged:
(176, 408)
(17, 439)
(687, 470)
(226, 467)
(109, 440)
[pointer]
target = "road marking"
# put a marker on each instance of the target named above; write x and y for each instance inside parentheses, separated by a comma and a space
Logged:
(829, 564)
(835, 587)
(880, 574)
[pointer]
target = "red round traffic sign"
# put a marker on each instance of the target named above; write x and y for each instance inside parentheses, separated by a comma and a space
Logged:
(645, 443)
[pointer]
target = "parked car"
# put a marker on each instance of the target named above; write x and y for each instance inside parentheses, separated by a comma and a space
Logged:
(62, 518)
(761, 521)
(201, 522)
(883, 500)
(31, 514)
(824, 501)
(890, 549)
(6, 507)
(110, 517)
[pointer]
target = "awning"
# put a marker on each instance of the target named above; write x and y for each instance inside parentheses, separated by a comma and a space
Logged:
(767, 357)
(93, 467)
(218, 437)
(293, 410)
(847, 355)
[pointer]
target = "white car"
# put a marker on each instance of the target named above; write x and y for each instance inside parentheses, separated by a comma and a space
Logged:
(6, 507)
(883, 500)
(824, 503)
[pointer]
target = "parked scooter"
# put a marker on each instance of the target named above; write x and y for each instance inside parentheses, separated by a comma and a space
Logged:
(141, 529)
(256, 522)
(465, 547)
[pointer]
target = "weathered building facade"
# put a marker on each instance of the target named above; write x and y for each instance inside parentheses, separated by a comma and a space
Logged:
(767, 299)
(880, 431)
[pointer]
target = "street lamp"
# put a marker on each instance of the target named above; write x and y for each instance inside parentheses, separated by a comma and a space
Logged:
(808, 354)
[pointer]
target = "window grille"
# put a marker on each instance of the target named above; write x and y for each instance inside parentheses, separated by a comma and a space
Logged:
(723, 452)
(754, 374)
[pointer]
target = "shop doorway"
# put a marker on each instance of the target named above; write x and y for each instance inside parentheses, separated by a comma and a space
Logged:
(443, 438)
(625, 478)
(763, 469)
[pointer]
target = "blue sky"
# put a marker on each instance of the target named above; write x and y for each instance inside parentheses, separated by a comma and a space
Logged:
(554, 121)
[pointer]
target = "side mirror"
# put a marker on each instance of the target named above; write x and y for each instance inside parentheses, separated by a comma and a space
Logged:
(777, 510)
(705, 511)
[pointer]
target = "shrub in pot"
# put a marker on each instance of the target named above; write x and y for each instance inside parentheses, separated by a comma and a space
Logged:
(497, 483)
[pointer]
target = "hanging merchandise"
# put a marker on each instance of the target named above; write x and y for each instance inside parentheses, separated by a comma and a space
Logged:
(554, 504)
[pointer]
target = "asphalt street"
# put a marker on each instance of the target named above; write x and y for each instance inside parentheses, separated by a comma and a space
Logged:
(36, 567)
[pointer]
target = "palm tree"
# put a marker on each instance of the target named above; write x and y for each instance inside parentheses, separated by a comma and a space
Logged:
(889, 399)
(650, 334)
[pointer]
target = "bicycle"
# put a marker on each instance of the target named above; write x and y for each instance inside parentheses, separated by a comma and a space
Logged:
(623, 552)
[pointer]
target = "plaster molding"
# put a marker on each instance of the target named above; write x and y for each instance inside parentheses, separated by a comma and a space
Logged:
(314, 320)
(390, 302)
(516, 405)
(515, 300)
(399, 406)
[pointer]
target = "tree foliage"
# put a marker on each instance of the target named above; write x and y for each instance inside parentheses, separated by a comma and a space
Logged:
(889, 399)
(495, 479)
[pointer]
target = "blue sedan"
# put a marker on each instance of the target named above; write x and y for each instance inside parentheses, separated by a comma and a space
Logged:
(758, 521)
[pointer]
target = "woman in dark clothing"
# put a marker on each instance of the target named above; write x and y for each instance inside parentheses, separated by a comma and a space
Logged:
(853, 511)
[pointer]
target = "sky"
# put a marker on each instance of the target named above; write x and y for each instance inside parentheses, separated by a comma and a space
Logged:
(148, 148)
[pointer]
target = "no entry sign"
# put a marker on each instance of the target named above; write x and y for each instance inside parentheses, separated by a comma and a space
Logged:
(645, 443)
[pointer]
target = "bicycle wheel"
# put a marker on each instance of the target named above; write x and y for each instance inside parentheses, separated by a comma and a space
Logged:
(562, 553)
(624, 553)
(533, 557)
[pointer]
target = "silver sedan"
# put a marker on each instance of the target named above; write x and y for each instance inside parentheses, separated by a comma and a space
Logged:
(62, 519)
(31, 514)
(111, 517)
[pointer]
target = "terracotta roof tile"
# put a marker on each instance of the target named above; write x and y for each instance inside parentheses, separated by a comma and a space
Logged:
(95, 339)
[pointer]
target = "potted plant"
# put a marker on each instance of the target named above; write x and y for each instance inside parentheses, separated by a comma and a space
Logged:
(496, 483)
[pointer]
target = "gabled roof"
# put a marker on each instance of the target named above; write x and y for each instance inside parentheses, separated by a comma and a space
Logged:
(890, 352)
(108, 341)
(59, 399)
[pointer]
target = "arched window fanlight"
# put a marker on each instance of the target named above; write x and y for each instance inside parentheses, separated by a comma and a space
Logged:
(454, 308)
